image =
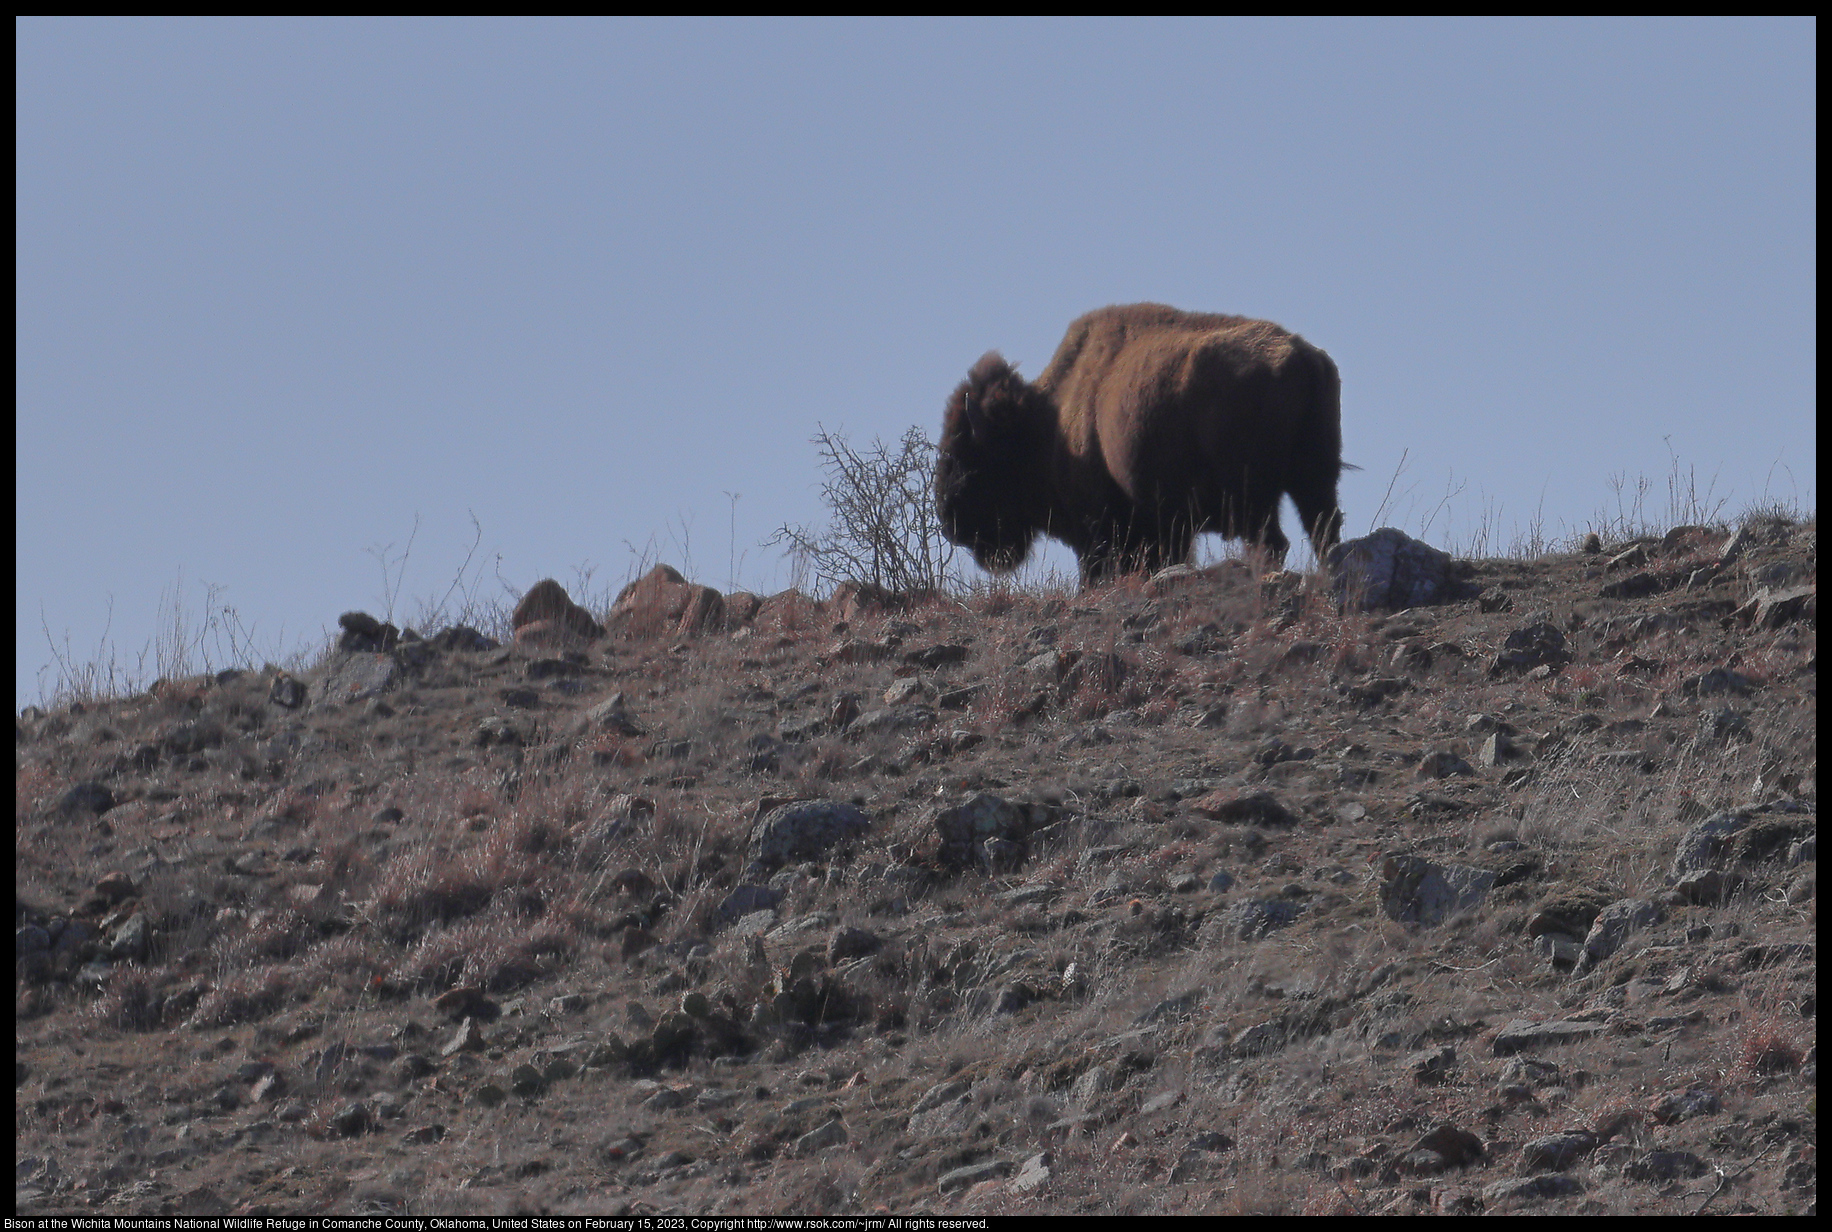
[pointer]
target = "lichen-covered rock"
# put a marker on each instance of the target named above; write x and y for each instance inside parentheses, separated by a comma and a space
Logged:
(1390, 570)
(804, 830)
(966, 828)
(1416, 890)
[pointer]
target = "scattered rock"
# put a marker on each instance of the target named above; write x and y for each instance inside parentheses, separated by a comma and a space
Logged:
(1416, 890)
(364, 634)
(1522, 1035)
(965, 829)
(803, 830)
(1541, 644)
(469, 1038)
(547, 614)
(1556, 1152)
(662, 603)
(1771, 609)
(1389, 570)
(88, 798)
(428, 910)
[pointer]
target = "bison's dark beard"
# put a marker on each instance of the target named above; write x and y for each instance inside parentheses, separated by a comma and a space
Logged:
(1002, 557)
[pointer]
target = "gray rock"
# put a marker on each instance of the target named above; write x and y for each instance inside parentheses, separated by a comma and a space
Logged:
(1531, 1189)
(940, 1094)
(1717, 680)
(86, 797)
(351, 676)
(944, 1112)
(1416, 890)
(1047, 666)
(1541, 644)
(747, 900)
(1770, 608)
(848, 943)
(1443, 764)
(965, 828)
(1559, 952)
(1724, 725)
(831, 1134)
(892, 719)
(973, 1174)
(1704, 844)
(1033, 1174)
(1665, 1166)
(1391, 570)
(352, 1119)
(1613, 926)
(1432, 1065)
(1174, 1009)
(1522, 1035)
(1456, 1146)
(131, 939)
(804, 830)
(468, 1039)
(1556, 1152)
(1676, 1106)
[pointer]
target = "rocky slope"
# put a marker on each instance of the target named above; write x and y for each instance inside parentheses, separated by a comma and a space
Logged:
(1190, 894)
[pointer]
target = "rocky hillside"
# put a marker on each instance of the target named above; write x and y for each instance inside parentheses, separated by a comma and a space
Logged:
(1189, 894)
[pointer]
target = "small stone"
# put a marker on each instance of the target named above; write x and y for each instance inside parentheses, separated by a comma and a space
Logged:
(353, 1119)
(1556, 1152)
(468, 1039)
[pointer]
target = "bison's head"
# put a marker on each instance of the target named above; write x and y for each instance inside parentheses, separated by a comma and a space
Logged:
(990, 477)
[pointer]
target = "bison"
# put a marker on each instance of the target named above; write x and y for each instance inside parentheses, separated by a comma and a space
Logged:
(1148, 426)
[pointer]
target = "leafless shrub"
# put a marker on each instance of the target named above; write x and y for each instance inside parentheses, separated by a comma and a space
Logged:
(885, 530)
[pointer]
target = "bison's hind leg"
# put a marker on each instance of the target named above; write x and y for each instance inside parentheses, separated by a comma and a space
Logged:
(1171, 547)
(1260, 525)
(1273, 540)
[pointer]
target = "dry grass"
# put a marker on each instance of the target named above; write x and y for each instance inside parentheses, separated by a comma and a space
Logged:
(392, 857)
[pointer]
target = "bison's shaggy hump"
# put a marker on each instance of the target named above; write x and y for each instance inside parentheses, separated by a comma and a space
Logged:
(1148, 426)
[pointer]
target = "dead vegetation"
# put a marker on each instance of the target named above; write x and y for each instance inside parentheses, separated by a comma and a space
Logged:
(1275, 909)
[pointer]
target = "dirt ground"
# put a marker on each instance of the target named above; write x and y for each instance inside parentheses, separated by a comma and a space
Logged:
(1182, 895)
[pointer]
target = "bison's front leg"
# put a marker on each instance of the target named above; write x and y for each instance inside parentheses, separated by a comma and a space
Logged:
(1274, 541)
(1099, 564)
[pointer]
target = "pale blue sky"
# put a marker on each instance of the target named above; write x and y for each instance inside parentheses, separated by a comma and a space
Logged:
(284, 287)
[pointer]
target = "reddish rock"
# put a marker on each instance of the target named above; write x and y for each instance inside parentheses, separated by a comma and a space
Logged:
(548, 604)
(662, 603)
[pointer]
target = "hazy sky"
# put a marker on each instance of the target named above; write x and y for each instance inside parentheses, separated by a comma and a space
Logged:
(284, 287)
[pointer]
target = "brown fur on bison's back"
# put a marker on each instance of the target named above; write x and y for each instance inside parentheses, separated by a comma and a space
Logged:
(1148, 425)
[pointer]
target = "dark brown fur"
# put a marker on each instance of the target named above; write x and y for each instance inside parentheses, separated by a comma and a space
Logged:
(1148, 426)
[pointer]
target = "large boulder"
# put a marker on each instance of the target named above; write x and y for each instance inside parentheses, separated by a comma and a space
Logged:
(802, 830)
(663, 603)
(1391, 570)
(547, 612)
